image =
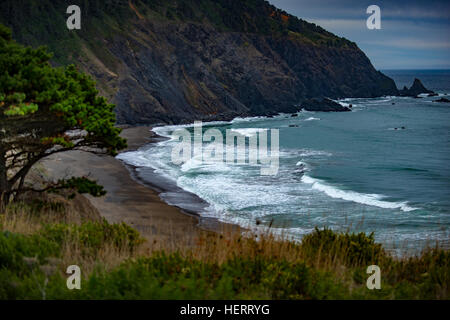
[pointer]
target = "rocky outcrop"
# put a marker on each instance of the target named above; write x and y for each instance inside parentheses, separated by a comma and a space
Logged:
(442, 100)
(416, 89)
(178, 61)
(325, 105)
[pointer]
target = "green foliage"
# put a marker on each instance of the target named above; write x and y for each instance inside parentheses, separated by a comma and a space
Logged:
(171, 276)
(249, 16)
(15, 247)
(27, 261)
(82, 185)
(21, 260)
(16, 105)
(355, 249)
(63, 95)
(91, 236)
(44, 110)
(103, 19)
(5, 33)
(21, 109)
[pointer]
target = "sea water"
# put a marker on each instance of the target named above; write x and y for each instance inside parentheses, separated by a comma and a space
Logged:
(382, 168)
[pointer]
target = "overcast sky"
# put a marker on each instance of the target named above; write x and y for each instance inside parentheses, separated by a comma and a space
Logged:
(414, 34)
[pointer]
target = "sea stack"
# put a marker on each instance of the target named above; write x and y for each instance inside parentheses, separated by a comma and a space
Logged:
(416, 89)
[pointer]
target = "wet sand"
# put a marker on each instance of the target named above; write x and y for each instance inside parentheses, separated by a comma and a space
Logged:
(127, 200)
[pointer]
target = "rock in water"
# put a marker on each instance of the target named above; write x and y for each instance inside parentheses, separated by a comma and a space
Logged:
(416, 89)
(324, 105)
(442, 100)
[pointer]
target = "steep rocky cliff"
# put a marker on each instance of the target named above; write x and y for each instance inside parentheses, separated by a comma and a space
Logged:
(172, 61)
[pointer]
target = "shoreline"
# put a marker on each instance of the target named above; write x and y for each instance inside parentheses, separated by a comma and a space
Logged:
(388, 244)
(128, 198)
(186, 204)
(167, 190)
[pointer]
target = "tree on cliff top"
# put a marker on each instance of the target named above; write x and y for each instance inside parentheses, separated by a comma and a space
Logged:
(46, 110)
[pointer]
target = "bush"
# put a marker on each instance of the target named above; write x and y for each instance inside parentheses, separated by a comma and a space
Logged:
(93, 235)
(326, 265)
(353, 249)
(162, 276)
(16, 250)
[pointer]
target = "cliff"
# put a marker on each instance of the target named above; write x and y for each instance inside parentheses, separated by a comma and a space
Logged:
(168, 61)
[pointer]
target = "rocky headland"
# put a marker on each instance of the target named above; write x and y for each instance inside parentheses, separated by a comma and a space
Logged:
(178, 61)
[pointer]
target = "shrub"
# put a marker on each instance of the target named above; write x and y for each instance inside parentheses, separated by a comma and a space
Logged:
(353, 249)
(15, 249)
(93, 235)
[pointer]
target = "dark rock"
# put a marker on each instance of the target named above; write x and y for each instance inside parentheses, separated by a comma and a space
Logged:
(294, 115)
(201, 64)
(293, 126)
(432, 94)
(442, 100)
(416, 89)
(324, 105)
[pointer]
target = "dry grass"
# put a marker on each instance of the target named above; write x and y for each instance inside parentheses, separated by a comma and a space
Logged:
(342, 255)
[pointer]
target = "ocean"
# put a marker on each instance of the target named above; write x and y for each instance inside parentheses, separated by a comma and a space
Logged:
(349, 171)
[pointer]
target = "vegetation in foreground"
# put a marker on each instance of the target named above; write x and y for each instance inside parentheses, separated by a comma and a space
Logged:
(45, 110)
(116, 263)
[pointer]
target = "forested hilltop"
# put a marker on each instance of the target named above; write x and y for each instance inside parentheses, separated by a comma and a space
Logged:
(168, 61)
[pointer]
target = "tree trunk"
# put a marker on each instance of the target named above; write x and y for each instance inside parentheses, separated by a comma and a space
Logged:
(4, 188)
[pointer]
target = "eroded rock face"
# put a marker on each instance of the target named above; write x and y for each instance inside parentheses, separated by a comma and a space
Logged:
(159, 69)
(192, 72)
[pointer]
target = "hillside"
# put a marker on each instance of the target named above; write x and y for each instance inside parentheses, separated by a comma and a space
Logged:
(168, 61)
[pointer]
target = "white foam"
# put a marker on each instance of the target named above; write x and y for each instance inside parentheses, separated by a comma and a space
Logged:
(312, 119)
(248, 119)
(367, 199)
(344, 104)
(260, 118)
(166, 131)
(192, 164)
(248, 132)
(313, 153)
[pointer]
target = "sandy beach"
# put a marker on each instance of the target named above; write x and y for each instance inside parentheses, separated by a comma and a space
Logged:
(127, 200)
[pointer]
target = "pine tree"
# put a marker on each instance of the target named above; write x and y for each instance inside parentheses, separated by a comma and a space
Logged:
(46, 110)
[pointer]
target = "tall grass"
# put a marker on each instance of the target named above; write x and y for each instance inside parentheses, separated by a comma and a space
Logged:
(37, 244)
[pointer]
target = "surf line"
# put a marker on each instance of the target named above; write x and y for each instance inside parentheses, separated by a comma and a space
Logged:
(208, 147)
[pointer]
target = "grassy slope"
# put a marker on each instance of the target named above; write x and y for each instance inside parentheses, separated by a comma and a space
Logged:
(44, 21)
(36, 247)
